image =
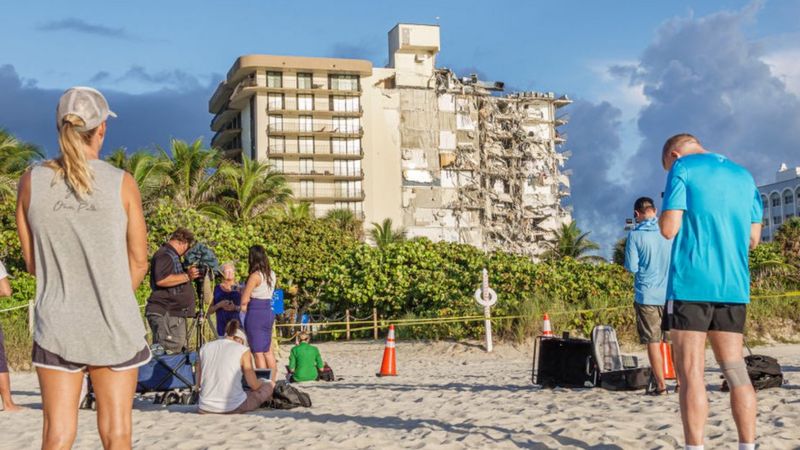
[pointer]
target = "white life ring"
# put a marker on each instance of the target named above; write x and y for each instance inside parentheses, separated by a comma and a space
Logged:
(492, 297)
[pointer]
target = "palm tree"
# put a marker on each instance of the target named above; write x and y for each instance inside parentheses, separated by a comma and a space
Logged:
(572, 242)
(383, 234)
(251, 189)
(15, 157)
(189, 175)
(788, 239)
(619, 251)
(146, 169)
(346, 221)
(296, 211)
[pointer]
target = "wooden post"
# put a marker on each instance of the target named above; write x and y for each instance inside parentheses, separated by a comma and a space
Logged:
(30, 317)
(375, 323)
(347, 322)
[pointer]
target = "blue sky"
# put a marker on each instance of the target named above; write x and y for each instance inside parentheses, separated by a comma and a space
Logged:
(639, 71)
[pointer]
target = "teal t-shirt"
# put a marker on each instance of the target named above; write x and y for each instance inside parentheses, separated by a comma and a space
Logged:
(720, 201)
(647, 256)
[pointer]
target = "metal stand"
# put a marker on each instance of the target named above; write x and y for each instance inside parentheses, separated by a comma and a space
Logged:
(200, 322)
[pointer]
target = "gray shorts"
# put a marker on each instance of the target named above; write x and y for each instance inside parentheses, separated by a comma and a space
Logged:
(169, 331)
(49, 360)
(648, 323)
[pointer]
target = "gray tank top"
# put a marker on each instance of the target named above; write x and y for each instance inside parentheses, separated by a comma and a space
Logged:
(86, 311)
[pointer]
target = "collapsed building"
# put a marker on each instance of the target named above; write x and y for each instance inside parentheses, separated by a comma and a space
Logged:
(447, 158)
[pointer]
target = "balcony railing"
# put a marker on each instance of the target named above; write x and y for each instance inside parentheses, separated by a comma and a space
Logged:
(335, 194)
(297, 128)
(288, 107)
(316, 173)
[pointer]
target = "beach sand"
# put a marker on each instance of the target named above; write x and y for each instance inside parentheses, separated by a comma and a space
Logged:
(447, 396)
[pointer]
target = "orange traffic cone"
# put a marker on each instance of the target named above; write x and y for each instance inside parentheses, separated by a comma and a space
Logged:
(666, 361)
(547, 331)
(389, 364)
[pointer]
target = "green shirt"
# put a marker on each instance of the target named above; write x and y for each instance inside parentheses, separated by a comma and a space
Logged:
(304, 360)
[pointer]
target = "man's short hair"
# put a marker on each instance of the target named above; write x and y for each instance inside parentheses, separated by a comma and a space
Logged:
(674, 142)
(182, 235)
(643, 204)
(304, 337)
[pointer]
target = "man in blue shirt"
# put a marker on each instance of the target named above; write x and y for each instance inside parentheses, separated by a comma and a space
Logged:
(713, 211)
(647, 257)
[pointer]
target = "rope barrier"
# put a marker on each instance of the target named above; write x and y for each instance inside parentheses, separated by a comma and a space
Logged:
(13, 308)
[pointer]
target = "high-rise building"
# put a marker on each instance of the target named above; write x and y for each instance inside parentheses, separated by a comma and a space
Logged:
(444, 157)
(781, 200)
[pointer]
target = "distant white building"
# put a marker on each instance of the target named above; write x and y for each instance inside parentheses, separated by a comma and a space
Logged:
(781, 200)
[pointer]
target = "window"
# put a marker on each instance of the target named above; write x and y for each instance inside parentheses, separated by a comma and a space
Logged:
(347, 168)
(306, 165)
(305, 144)
(274, 102)
(304, 81)
(306, 123)
(764, 202)
(274, 79)
(356, 207)
(766, 222)
(789, 216)
(788, 198)
(344, 82)
(776, 220)
(275, 123)
(348, 189)
(306, 188)
(276, 144)
(305, 102)
(344, 103)
(346, 124)
(776, 201)
(277, 164)
(342, 146)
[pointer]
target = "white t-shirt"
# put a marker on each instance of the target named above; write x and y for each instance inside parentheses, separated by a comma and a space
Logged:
(3, 273)
(221, 376)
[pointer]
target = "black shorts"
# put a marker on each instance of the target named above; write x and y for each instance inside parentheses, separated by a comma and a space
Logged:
(706, 316)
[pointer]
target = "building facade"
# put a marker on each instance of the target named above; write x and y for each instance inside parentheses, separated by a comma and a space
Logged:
(781, 200)
(447, 158)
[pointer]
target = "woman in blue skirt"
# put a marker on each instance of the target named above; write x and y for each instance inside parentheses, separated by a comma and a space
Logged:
(256, 309)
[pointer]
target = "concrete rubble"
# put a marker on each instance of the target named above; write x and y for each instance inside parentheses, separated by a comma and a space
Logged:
(482, 168)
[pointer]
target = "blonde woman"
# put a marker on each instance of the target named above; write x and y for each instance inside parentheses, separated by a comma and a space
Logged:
(83, 235)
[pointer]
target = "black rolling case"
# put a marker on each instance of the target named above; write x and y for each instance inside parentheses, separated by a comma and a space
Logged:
(563, 362)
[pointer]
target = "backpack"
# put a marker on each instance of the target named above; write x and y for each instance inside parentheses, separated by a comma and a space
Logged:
(286, 396)
(764, 372)
(326, 374)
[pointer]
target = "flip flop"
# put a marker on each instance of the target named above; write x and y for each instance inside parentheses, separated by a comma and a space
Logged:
(657, 392)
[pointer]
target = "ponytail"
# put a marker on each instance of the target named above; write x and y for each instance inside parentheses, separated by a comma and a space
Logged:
(72, 165)
(232, 327)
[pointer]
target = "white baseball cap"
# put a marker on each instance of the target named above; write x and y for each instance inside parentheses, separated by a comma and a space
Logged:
(86, 103)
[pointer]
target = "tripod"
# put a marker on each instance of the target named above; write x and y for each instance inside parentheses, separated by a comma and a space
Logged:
(200, 322)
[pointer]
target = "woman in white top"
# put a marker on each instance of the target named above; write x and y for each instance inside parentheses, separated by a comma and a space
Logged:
(220, 368)
(256, 309)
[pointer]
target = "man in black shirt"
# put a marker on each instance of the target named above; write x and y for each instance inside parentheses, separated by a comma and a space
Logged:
(172, 297)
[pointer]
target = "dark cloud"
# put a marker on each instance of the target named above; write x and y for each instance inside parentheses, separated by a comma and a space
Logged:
(594, 137)
(702, 76)
(144, 120)
(369, 49)
(173, 78)
(100, 77)
(81, 26)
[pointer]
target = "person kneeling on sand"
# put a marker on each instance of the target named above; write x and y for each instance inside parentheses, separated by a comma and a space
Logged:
(305, 362)
(221, 364)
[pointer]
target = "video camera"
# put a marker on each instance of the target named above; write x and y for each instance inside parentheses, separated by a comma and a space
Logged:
(203, 258)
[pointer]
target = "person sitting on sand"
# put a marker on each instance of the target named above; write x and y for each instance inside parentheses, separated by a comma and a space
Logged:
(5, 381)
(220, 366)
(305, 361)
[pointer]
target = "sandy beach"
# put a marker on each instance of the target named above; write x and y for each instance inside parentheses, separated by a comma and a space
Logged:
(447, 396)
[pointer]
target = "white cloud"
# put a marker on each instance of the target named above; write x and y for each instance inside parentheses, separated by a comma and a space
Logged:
(784, 64)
